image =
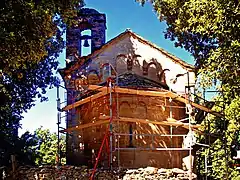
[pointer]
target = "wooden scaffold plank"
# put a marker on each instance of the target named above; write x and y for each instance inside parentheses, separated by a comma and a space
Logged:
(105, 90)
(131, 91)
(198, 106)
(160, 94)
(135, 120)
(87, 125)
(147, 121)
(85, 100)
(166, 123)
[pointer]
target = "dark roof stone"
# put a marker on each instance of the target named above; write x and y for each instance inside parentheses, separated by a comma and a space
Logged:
(134, 81)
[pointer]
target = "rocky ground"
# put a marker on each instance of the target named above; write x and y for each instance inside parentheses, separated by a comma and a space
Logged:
(82, 173)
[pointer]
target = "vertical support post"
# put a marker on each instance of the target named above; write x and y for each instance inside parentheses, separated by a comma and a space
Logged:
(13, 161)
(117, 111)
(190, 130)
(205, 124)
(225, 138)
(171, 128)
(58, 126)
(208, 130)
(111, 117)
(118, 137)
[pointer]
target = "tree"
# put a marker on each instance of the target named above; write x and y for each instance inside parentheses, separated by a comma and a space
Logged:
(38, 148)
(30, 42)
(48, 146)
(24, 148)
(223, 134)
(210, 31)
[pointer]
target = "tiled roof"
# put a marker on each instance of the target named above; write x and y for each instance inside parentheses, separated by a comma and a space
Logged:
(129, 80)
(134, 81)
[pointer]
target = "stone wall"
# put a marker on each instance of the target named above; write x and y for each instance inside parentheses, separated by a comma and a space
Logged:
(130, 107)
(82, 173)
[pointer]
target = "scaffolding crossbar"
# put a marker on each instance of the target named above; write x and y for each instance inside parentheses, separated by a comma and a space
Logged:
(104, 91)
(85, 100)
(156, 149)
(125, 119)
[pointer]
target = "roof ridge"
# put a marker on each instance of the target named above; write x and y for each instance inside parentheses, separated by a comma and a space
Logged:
(121, 35)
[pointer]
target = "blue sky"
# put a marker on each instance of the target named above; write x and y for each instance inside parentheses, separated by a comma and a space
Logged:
(120, 16)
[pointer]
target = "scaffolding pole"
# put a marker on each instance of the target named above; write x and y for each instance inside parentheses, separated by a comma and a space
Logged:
(111, 88)
(190, 129)
(117, 115)
(58, 126)
(111, 117)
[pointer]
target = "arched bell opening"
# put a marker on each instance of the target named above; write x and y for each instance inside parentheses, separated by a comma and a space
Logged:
(85, 38)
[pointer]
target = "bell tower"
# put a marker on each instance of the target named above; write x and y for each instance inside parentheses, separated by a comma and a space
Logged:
(94, 23)
(88, 19)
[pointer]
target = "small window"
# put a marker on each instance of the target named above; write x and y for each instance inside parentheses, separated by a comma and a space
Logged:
(131, 135)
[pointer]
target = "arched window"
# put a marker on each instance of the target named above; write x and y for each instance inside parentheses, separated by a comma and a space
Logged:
(141, 110)
(152, 70)
(93, 77)
(125, 111)
(105, 73)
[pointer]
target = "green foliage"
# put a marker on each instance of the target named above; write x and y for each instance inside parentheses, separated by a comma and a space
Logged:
(38, 148)
(25, 149)
(26, 26)
(210, 31)
(30, 42)
(219, 152)
(48, 147)
(236, 178)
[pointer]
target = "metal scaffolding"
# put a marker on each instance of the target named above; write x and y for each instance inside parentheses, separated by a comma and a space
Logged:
(112, 87)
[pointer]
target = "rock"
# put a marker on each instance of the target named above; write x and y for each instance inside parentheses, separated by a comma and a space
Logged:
(83, 173)
(162, 171)
(130, 171)
(178, 171)
(180, 175)
(151, 170)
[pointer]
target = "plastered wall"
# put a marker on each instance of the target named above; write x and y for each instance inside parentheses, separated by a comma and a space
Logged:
(146, 61)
